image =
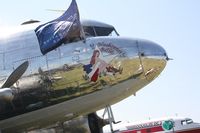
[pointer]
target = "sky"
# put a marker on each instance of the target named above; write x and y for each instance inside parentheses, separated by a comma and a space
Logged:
(174, 24)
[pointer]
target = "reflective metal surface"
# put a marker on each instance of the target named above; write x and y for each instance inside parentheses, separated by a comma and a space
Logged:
(74, 70)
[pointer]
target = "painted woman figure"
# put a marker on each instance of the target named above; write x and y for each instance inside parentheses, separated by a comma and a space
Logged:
(95, 67)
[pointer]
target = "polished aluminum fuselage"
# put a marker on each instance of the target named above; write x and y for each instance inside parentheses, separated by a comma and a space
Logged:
(56, 87)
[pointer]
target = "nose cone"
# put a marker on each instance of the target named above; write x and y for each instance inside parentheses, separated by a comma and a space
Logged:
(151, 49)
(152, 58)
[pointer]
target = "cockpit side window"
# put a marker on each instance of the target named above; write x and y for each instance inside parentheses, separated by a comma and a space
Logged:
(183, 122)
(189, 121)
(114, 33)
(89, 31)
(103, 31)
(92, 31)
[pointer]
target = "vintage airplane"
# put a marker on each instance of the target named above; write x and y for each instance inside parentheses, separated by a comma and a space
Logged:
(66, 68)
(161, 125)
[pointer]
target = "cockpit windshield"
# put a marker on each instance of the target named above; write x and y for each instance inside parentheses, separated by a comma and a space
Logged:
(186, 121)
(99, 31)
(94, 28)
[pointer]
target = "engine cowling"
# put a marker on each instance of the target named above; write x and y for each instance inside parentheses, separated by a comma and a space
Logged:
(91, 123)
(6, 94)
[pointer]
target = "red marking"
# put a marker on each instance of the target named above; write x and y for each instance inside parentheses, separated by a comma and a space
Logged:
(159, 129)
(95, 75)
(190, 131)
(145, 130)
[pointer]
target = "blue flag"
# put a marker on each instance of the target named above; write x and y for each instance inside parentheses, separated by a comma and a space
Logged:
(54, 33)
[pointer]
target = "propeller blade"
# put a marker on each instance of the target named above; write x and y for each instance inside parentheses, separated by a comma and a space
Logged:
(16, 75)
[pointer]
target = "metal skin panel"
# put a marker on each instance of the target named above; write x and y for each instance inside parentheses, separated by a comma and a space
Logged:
(66, 80)
(1, 61)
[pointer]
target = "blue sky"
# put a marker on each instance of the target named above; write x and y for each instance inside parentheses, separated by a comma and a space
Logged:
(174, 24)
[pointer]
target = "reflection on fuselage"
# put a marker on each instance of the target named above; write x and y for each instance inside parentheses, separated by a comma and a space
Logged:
(74, 70)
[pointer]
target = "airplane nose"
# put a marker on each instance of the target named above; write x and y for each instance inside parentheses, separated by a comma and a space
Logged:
(153, 59)
(151, 49)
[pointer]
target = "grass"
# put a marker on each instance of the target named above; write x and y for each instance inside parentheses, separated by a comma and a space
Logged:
(73, 83)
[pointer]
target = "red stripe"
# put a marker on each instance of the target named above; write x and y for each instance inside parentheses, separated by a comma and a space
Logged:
(159, 129)
(146, 130)
(190, 131)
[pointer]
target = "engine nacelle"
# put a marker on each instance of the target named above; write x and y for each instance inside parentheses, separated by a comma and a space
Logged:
(91, 123)
(6, 94)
